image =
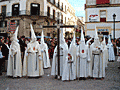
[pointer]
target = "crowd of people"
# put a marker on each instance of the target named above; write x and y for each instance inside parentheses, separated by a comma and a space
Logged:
(28, 56)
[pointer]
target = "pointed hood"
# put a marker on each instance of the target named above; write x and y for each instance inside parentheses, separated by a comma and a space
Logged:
(42, 38)
(96, 38)
(33, 37)
(87, 43)
(14, 37)
(82, 36)
(109, 40)
(73, 41)
(73, 44)
(62, 40)
(104, 40)
(16, 32)
(96, 34)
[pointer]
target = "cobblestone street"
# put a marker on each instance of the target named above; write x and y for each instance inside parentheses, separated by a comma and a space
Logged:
(110, 82)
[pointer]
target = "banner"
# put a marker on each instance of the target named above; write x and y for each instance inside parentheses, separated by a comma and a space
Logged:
(93, 18)
(11, 26)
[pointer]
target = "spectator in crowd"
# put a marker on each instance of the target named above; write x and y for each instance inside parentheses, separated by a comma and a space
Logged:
(1, 61)
(22, 46)
(5, 52)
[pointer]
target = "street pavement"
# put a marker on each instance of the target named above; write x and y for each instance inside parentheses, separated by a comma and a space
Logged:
(48, 82)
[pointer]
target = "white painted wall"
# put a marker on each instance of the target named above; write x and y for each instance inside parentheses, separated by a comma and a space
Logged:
(91, 33)
(109, 11)
(9, 5)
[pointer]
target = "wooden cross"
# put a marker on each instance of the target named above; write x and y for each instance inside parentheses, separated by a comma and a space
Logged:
(58, 34)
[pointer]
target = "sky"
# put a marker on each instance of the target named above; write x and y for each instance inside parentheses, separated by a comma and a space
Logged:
(78, 6)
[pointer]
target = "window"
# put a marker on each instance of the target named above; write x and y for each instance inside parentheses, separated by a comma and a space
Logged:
(4, 10)
(48, 12)
(61, 18)
(65, 20)
(58, 4)
(65, 8)
(35, 9)
(15, 10)
(53, 14)
(53, 1)
(3, 23)
(102, 16)
(114, 1)
(48, 34)
(62, 6)
(58, 15)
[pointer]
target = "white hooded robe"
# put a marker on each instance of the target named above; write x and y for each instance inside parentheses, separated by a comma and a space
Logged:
(111, 54)
(14, 59)
(44, 52)
(73, 52)
(33, 66)
(82, 60)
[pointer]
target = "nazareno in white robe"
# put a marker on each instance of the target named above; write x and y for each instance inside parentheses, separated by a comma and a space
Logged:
(104, 58)
(45, 55)
(89, 61)
(111, 55)
(33, 65)
(97, 61)
(63, 54)
(73, 52)
(64, 70)
(82, 61)
(14, 67)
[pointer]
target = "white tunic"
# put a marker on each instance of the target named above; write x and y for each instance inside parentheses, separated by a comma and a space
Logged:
(111, 52)
(89, 62)
(104, 59)
(82, 61)
(96, 61)
(14, 60)
(45, 55)
(73, 52)
(32, 65)
(63, 55)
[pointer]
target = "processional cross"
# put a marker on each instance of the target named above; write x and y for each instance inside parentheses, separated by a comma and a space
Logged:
(58, 34)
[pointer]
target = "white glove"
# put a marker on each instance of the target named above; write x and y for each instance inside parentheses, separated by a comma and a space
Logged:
(40, 58)
(12, 49)
(12, 56)
(26, 54)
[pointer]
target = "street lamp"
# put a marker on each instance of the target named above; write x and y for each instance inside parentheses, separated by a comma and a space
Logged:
(114, 16)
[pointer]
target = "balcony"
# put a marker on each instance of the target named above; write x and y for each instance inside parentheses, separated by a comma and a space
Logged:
(28, 13)
(25, 12)
(3, 0)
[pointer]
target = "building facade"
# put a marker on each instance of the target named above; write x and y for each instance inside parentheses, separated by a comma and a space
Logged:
(36, 12)
(99, 13)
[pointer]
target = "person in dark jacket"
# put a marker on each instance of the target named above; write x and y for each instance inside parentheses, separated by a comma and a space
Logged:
(1, 61)
(5, 52)
(22, 46)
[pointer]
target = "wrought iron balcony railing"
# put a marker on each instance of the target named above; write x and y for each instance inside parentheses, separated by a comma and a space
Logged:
(26, 12)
